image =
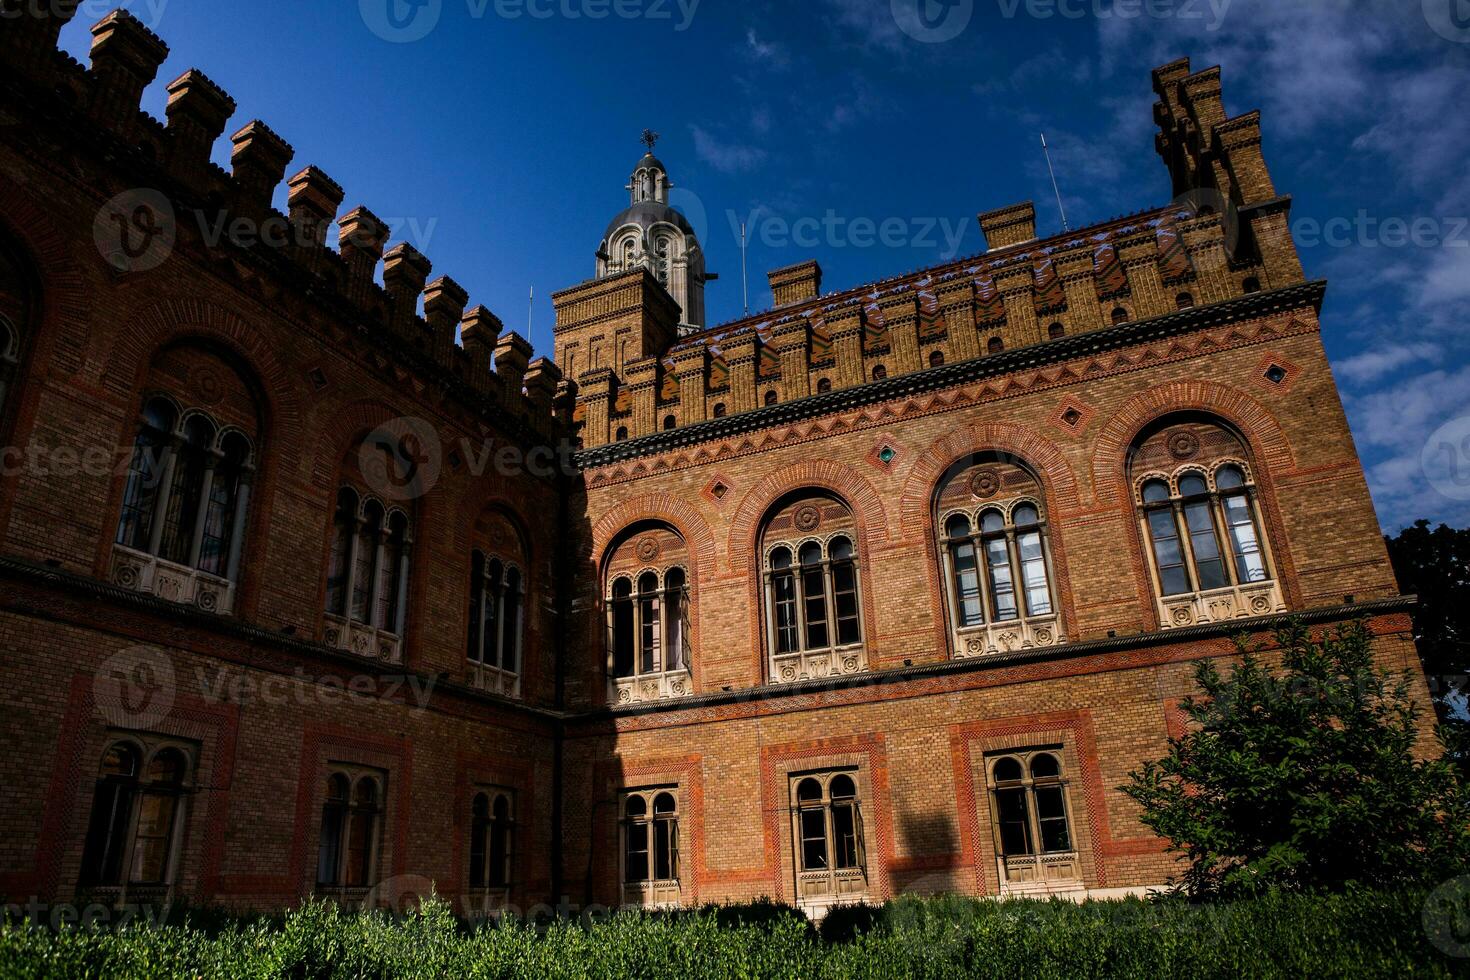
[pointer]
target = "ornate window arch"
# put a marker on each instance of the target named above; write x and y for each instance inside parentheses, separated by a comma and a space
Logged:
(649, 616)
(812, 586)
(181, 530)
(498, 626)
(138, 807)
(1031, 815)
(650, 846)
(996, 548)
(492, 842)
(1199, 516)
(827, 832)
(367, 575)
(352, 816)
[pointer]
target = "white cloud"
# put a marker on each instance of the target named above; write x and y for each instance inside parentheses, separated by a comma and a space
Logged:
(1382, 360)
(730, 158)
(768, 53)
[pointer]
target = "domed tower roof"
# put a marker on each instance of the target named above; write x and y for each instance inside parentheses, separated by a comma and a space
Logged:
(646, 214)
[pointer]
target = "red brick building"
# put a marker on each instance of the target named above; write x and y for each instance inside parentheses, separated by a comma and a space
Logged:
(884, 590)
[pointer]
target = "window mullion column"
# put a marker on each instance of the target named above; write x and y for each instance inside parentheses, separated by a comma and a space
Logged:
(354, 544)
(201, 519)
(829, 589)
(1018, 580)
(165, 491)
(237, 526)
(1186, 545)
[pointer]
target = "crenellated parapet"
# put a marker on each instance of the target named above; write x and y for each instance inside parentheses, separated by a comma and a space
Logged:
(238, 226)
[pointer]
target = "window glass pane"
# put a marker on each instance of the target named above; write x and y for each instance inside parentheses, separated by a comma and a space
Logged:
(992, 520)
(394, 561)
(811, 553)
(1025, 515)
(839, 549)
(783, 587)
(781, 558)
(187, 488)
(635, 860)
(365, 567)
(676, 610)
(1155, 492)
(636, 806)
(1044, 766)
(1002, 588)
(844, 595)
(622, 632)
(813, 839)
(1015, 829)
(219, 519)
(152, 838)
(1250, 563)
(663, 803)
(1192, 485)
(510, 633)
(844, 835)
(663, 849)
(1200, 518)
(648, 632)
(107, 831)
(809, 791)
(1167, 552)
(1229, 478)
(140, 496)
(842, 787)
(958, 526)
(1051, 814)
(1007, 770)
(330, 852)
(814, 597)
(499, 876)
(1033, 573)
(967, 585)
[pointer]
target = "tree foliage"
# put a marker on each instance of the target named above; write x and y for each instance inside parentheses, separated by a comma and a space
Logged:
(1304, 777)
(1435, 566)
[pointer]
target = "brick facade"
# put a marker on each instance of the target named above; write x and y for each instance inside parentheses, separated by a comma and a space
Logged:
(1037, 372)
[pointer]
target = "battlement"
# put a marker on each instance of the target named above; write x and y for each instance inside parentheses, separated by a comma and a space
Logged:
(490, 375)
(1224, 236)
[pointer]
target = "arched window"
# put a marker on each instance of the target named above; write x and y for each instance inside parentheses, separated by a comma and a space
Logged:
(879, 373)
(812, 590)
(936, 358)
(1120, 315)
(1184, 301)
(995, 345)
(771, 397)
(648, 616)
(347, 853)
(670, 422)
(497, 623)
(137, 810)
(1056, 330)
(1251, 285)
(650, 847)
(180, 534)
(1199, 513)
(1032, 816)
(367, 576)
(719, 412)
(824, 385)
(998, 565)
(622, 433)
(827, 828)
(492, 836)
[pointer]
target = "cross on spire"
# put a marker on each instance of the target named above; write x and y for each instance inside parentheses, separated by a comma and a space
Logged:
(649, 139)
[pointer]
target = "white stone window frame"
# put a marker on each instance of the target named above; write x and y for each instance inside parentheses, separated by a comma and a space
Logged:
(1039, 871)
(496, 678)
(147, 747)
(1236, 600)
(662, 683)
(992, 635)
(819, 889)
(805, 662)
(651, 891)
(143, 569)
(342, 629)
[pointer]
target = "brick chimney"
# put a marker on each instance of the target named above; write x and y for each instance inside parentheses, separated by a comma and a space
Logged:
(1009, 226)
(796, 283)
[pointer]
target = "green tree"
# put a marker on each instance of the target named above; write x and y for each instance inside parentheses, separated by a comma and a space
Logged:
(1304, 777)
(1435, 566)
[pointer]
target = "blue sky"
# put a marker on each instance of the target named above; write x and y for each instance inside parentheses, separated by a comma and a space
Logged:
(497, 136)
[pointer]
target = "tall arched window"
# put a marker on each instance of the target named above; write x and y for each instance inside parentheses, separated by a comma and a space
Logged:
(352, 809)
(180, 534)
(1032, 818)
(650, 847)
(996, 544)
(1200, 517)
(367, 576)
(492, 837)
(137, 811)
(497, 616)
(827, 830)
(812, 589)
(649, 629)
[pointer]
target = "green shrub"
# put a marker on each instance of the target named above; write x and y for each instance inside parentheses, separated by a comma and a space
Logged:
(1278, 934)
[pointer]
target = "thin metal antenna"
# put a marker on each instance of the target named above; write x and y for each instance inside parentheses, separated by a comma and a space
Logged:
(531, 313)
(744, 274)
(1047, 151)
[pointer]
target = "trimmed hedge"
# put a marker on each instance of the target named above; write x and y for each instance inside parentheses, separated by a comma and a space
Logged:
(1353, 935)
